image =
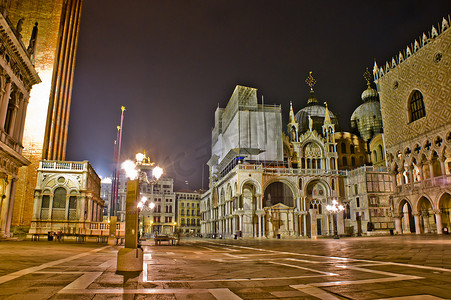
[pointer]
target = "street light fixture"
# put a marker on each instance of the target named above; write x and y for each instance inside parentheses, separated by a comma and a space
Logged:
(334, 209)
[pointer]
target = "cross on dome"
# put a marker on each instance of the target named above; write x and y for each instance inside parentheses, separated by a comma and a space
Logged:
(310, 81)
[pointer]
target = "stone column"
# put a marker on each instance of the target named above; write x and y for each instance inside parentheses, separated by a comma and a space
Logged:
(313, 225)
(442, 166)
(304, 221)
(398, 227)
(12, 126)
(410, 175)
(438, 220)
(82, 216)
(417, 223)
(10, 207)
(431, 170)
(259, 224)
(296, 223)
(340, 223)
(5, 102)
(18, 127)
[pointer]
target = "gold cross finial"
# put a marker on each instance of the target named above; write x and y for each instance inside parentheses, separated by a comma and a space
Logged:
(367, 76)
(122, 108)
(118, 128)
(310, 81)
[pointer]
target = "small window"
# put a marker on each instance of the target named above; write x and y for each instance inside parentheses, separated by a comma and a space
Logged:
(353, 161)
(345, 161)
(357, 201)
(72, 202)
(343, 148)
(416, 106)
(45, 201)
(352, 148)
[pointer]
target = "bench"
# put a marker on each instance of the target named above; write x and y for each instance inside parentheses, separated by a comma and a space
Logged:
(164, 238)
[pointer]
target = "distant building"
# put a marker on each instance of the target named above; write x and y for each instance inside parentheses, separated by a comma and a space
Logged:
(105, 194)
(188, 212)
(17, 76)
(415, 94)
(67, 198)
(162, 218)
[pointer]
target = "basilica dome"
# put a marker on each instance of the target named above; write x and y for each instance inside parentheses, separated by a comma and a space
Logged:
(317, 113)
(366, 121)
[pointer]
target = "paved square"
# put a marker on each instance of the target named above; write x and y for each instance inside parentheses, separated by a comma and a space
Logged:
(408, 267)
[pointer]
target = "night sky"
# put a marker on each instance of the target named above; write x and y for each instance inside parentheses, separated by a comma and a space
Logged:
(171, 63)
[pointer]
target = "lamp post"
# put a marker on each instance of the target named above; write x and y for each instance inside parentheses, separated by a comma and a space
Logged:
(130, 258)
(334, 209)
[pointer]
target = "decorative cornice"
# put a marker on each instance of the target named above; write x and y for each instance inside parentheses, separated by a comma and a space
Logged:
(411, 49)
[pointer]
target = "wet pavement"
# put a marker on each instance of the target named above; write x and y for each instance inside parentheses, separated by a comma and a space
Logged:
(394, 267)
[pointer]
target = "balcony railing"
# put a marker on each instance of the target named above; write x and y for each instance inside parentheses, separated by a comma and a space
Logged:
(426, 183)
(289, 171)
(63, 165)
(75, 227)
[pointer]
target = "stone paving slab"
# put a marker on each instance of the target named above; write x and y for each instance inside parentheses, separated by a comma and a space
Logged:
(357, 268)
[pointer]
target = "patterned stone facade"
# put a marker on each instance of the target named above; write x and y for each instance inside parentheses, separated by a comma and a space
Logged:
(415, 93)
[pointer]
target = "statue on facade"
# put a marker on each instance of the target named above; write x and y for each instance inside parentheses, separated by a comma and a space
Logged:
(19, 28)
(310, 123)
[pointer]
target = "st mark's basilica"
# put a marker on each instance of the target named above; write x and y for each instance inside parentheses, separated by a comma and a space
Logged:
(391, 173)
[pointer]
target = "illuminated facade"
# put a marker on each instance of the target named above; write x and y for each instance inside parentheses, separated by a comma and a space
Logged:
(17, 76)
(67, 198)
(49, 104)
(415, 95)
(265, 183)
(188, 212)
(287, 194)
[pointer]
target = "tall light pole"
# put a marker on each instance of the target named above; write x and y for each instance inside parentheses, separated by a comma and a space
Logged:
(118, 159)
(130, 258)
(334, 209)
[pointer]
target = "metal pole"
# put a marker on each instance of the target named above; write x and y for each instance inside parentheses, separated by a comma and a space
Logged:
(119, 152)
(113, 182)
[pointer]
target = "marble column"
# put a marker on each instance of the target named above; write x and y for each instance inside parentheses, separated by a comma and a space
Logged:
(10, 207)
(438, 220)
(442, 166)
(5, 102)
(304, 221)
(398, 227)
(431, 170)
(417, 223)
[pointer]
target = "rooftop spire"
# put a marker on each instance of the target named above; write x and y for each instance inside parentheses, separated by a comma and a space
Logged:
(292, 120)
(327, 120)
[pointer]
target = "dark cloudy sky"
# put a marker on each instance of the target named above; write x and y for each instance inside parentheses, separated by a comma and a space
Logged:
(170, 63)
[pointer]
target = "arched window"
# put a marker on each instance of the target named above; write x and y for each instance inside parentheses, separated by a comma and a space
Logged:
(343, 148)
(353, 161)
(374, 156)
(381, 152)
(59, 198)
(352, 148)
(416, 106)
(45, 201)
(345, 161)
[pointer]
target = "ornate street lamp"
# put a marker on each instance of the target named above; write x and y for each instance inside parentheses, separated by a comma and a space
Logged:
(130, 258)
(334, 209)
